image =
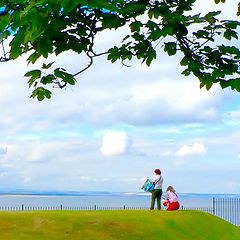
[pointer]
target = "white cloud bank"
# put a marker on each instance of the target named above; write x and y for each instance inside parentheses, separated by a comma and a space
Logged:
(157, 103)
(189, 150)
(115, 143)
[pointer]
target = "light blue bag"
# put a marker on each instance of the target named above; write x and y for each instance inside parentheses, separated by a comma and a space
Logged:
(148, 186)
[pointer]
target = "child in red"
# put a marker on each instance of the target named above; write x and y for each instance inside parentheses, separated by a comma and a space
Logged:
(171, 201)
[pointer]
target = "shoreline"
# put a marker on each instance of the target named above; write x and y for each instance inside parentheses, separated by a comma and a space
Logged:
(124, 194)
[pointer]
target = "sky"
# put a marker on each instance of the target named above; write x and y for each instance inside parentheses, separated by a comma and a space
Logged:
(111, 130)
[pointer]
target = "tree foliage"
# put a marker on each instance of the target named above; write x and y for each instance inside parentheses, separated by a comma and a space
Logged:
(38, 28)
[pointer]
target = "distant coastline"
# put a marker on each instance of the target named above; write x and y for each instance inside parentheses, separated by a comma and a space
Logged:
(22, 192)
(91, 199)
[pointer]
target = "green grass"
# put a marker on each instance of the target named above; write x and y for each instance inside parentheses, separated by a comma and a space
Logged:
(115, 225)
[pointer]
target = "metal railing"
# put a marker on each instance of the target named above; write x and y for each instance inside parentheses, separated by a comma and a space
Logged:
(68, 208)
(225, 208)
(203, 209)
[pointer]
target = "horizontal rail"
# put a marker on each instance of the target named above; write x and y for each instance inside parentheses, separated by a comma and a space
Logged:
(69, 208)
(227, 209)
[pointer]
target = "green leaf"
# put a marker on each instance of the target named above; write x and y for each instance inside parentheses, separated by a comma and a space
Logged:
(231, 24)
(125, 38)
(138, 37)
(184, 61)
(230, 49)
(40, 96)
(155, 35)
(151, 54)
(186, 72)
(150, 13)
(207, 49)
(112, 21)
(69, 5)
(205, 80)
(194, 66)
(47, 66)
(168, 30)
(33, 74)
(170, 48)
(125, 54)
(218, 1)
(66, 77)
(209, 85)
(161, 9)
(33, 57)
(113, 54)
(233, 83)
(182, 30)
(201, 34)
(136, 26)
(16, 50)
(47, 79)
(47, 93)
(218, 73)
(5, 21)
(41, 93)
(229, 34)
(209, 17)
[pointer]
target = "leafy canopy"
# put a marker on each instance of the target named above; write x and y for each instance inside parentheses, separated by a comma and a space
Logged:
(38, 28)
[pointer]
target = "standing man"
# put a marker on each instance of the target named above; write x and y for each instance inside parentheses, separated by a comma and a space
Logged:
(157, 192)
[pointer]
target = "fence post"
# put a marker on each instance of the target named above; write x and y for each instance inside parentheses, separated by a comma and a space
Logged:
(61, 207)
(95, 207)
(22, 207)
(214, 205)
(124, 207)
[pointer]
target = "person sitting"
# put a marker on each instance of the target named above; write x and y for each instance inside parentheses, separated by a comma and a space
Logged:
(171, 200)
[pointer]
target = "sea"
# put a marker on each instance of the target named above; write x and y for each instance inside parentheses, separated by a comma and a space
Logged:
(100, 199)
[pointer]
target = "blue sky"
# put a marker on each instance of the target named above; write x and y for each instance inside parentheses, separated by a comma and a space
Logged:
(111, 130)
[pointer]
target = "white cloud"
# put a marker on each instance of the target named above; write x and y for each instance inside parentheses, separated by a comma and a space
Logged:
(194, 149)
(115, 143)
(3, 150)
(166, 153)
(26, 176)
(159, 102)
(232, 118)
(136, 96)
(234, 114)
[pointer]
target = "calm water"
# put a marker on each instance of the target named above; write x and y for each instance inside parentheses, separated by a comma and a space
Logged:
(103, 200)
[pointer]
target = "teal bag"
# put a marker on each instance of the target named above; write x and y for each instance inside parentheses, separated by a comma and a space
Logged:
(148, 186)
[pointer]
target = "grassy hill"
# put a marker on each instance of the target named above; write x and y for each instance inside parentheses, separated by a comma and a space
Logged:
(115, 225)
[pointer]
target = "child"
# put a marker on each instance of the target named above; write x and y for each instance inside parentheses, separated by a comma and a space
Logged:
(171, 201)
